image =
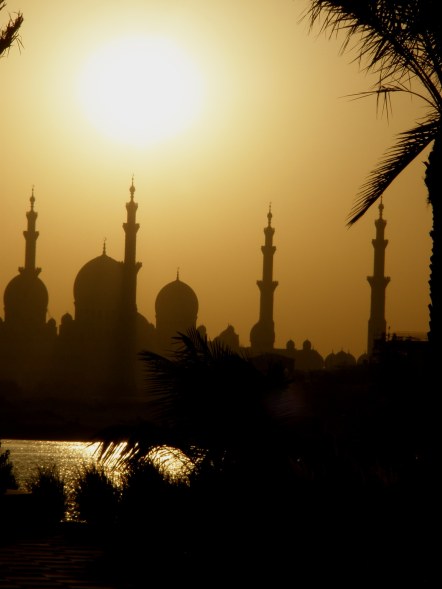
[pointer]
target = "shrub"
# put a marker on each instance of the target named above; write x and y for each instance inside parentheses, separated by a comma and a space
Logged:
(7, 477)
(49, 491)
(96, 496)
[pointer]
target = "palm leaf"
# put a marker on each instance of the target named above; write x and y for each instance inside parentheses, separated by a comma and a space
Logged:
(410, 144)
(10, 33)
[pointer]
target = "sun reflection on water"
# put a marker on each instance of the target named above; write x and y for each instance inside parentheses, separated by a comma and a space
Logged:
(172, 462)
(72, 458)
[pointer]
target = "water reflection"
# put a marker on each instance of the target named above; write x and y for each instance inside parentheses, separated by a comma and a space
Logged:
(72, 458)
(29, 455)
(172, 462)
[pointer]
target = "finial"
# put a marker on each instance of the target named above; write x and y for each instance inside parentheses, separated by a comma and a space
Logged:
(269, 214)
(32, 199)
(178, 273)
(132, 188)
(104, 246)
(381, 208)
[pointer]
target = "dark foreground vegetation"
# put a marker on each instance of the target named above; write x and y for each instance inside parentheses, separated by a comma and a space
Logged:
(328, 477)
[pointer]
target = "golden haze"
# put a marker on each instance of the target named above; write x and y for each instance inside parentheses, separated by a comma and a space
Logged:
(274, 126)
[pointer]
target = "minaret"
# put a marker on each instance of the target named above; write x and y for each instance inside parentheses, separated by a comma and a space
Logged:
(377, 325)
(127, 346)
(31, 236)
(27, 350)
(131, 266)
(262, 334)
(26, 297)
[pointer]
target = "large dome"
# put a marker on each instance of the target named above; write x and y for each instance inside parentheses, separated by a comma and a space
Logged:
(176, 309)
(177, 300)
(99, 283)
(26, 299)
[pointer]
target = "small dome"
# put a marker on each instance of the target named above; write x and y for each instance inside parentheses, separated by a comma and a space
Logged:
(177, 300)
(98, 284)
(345, 359)
(340, 360)
(26, 299)
(363, 359)
(330, 359)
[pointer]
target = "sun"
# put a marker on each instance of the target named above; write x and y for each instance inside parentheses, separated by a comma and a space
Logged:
(140, 90)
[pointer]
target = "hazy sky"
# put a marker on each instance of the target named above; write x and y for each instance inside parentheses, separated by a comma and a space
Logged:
(267, 121)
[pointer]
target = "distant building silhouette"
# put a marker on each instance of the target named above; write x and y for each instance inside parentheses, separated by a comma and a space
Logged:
(377, 325)
(262, 334)
(95, 353)
(229, 338)
(96, 350)
(26, 337)
(405, 349)
(308, 358)
(176, 308)
(340, 360)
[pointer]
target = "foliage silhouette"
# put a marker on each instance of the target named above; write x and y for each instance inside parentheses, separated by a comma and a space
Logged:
(10, 33)
(49, 491)
(401, 42)
(7, 476)
(205, 401)
(334, 467)
(96, 497)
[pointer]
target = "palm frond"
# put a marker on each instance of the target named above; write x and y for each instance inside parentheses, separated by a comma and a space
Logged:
(410, 144)
(399, 42)
(10, 33)
(124, 444)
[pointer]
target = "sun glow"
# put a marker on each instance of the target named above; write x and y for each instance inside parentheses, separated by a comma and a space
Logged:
(141, 90)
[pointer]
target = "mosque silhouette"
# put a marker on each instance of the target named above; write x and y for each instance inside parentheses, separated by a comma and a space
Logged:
(95, 353)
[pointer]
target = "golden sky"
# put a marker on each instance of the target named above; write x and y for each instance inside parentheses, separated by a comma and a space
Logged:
(271, 123)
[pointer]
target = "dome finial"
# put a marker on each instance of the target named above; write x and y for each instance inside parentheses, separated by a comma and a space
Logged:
(104, 246)
(178, 273)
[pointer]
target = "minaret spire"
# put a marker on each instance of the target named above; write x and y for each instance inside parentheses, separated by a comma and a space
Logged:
(262, 335)
(377, 325)
(131, 266)
(31, 236)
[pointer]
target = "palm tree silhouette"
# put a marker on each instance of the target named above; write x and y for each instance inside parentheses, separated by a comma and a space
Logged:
(401, 42)
(206, 401)
(228, 418)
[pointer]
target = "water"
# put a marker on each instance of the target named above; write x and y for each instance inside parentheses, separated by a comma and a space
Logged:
(70, 458)
(27, 456)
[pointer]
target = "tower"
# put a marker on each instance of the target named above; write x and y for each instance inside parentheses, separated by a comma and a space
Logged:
(131, 266)
(262, 334)
(26, 297)
(31, 236)
(26, 338)
(104, 333)
(128, 347)
(377, 325)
